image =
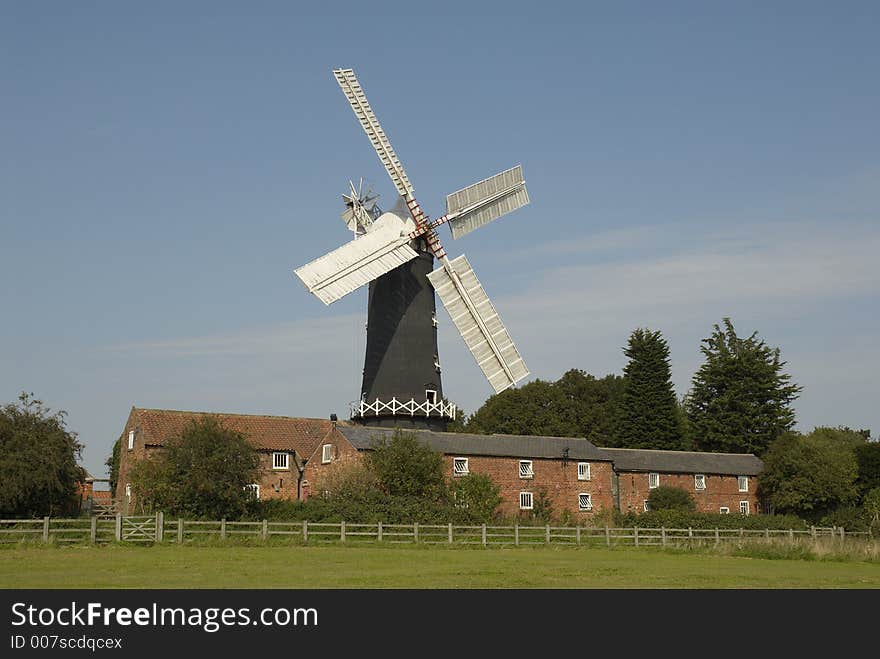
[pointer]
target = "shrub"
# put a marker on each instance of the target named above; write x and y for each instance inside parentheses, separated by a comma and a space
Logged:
(667, 497)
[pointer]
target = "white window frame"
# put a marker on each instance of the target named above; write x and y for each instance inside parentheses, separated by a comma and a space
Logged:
(740, 480)
(589, 501)
(743, 507)
(276, 456)
(526, 469)
(255, 488)
(653, 480)
(460, 467)
(128, 491)
(699, 481)
(326, 453)
(647, 506)
(431, 396)
(526, 501)
(130, 439)
(583, 471)
(724, 510)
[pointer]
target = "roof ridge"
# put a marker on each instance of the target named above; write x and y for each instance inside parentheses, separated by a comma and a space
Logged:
(663, 450)
(270, 416)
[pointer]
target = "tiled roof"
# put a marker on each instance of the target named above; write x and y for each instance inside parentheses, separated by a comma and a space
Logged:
(448, 443)
(689, 462)
(272, 433)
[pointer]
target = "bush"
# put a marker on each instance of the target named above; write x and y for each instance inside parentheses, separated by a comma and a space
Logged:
(667, 497)
(682, 519)
(478, 494)
(405, 467)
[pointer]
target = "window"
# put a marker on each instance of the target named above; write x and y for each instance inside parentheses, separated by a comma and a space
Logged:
(326, 453)
(459, 466)
(255, 488)
(431, 395)
(525, 469)
(744, 507)
(724, 510)
(279, 461)
(128, 491)
(743, 482)
(647, 506)
(699, 481)
(653, 480)
(584, 501)
(583, 471)
(130, 439)
(525, 500)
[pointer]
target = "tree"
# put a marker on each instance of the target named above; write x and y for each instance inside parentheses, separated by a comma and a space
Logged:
(204, 472)
(808, 475)
(667, 497)
(112, 463)
(405, 467)
(868, 460)
(647, 413)
(740, 400)
(39, 474)
(478, 494)
(576, 405)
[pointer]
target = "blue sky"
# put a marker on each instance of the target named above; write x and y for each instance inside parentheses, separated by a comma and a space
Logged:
(165, 166)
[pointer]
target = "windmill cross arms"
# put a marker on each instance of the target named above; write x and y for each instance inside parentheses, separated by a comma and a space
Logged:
(364, 113)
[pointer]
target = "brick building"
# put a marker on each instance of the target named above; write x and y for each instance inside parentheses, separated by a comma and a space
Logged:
(718, 482)
(571, 472)
(282, 443)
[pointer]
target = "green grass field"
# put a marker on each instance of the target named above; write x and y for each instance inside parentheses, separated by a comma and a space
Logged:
(303, 567)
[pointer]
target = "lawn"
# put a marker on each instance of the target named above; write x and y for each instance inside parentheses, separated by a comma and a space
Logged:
(304, 567)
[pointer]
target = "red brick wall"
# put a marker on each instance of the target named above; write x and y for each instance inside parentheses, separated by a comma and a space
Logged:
(721, 490)
(343, 454)
(558, 478)
(278, 483)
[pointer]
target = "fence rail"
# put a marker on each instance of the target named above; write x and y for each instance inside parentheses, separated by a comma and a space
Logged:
(158, 529)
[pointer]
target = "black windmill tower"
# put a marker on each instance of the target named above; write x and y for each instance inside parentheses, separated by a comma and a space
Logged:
(394, 253)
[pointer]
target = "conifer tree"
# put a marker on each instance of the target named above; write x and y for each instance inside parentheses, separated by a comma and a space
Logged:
(740, 400)
(647, 414)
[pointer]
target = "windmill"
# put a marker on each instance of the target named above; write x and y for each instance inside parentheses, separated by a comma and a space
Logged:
(394, 253)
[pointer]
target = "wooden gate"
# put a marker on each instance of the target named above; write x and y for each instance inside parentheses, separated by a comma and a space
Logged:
(136, 529)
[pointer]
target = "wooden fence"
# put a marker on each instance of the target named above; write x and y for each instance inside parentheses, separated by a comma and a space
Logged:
(158, 529)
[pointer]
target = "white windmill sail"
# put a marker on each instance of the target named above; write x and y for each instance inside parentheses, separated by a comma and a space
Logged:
(364, 113)
(478, 323)
(487, 200)
(358, 262)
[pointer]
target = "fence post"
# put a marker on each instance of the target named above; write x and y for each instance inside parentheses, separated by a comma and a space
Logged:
(717, 536)
(160, 526)
(690, 534)
(813, 532)
(516, 534)
(379, 533)
(484, 535)
(636, 535)
(842, 533)
(450, 533)
(93, 530)
(305, 530)
(741, 533)
(663, 535)
(416, 532)
(223, 529)
(791, 534)
(342, 531)
(180, 530)
(118, 527)
(578, 533)
(265, 529)
(547, 536)
(767, 534)
(45, 529)
(607, 536)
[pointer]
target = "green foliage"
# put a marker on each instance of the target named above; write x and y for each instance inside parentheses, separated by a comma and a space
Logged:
(576, 405)
(202, 473)
(39, 474)
(478, 494)
(808, 475)
(740, 400)
(647, 413)
(682, 519)
(405, 467)
(542, 508)
(112, 463)
(851, 518)
(871, 504)
(667, 497)
(868, 461)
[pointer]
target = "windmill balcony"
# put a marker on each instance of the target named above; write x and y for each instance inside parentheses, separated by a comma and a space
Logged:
(410, 408)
